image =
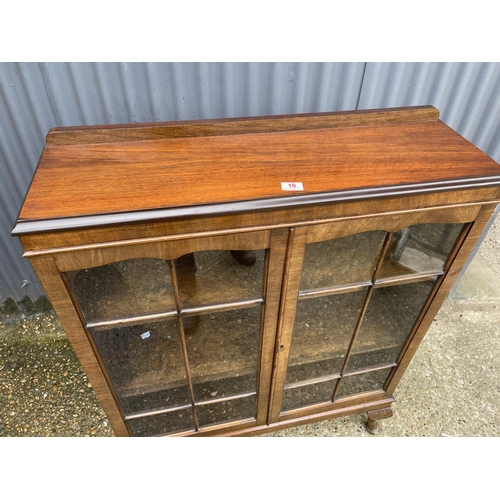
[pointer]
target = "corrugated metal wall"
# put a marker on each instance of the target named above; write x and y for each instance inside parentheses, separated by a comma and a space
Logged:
(37, 96)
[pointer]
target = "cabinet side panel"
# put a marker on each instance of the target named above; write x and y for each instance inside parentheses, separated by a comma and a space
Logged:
(441, 294)
(58, 295)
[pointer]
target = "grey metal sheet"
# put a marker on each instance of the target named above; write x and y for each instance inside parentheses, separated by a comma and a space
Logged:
(37, 96)
(25, 117)
(466, 94)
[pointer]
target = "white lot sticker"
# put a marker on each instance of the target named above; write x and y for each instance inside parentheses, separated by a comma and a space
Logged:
(292, 186)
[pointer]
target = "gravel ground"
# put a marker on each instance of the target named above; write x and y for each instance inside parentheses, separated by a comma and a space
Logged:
(450, 389)
(43, 389)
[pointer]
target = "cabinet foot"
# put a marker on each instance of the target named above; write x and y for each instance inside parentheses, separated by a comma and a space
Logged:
(371, 424)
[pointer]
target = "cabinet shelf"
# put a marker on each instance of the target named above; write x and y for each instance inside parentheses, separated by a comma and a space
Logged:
(142, 288)
(324, 328)
(223, 348)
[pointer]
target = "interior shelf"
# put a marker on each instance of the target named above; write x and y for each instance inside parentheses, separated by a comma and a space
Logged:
(222, 353)
(324, 327)
(144, 286)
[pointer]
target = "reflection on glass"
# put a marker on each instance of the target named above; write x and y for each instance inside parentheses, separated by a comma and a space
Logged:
(165, 423)
(215, 277)
(123, 289)
(351, 259)
(225, 411)
(322, 331)
(363, 382)
(145, 364)
(298, 397)
(223, 353)
(391, 314)
(420, 248)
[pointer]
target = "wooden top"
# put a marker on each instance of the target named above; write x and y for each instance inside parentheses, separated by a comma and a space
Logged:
(90, 176)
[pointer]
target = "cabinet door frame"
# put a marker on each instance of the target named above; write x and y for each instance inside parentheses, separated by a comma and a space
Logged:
(304, 235)
(456, 262)
(51, 269)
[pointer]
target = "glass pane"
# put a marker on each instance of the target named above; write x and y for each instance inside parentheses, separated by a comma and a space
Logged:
(420, 248)
(388, 321)
(322, 331)
(215, 277)
(351, 259)
(145, 365)
(223, 353)
(226, 411)
(298, 397)
(166, 423)
(363, 382)
(123, 289)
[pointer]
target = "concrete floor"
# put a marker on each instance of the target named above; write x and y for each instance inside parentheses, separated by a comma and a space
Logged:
(452, 387)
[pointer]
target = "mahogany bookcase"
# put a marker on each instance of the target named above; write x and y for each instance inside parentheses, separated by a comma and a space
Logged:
(237, 276)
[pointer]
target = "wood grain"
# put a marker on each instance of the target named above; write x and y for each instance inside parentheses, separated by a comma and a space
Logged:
(440, 295)
(271, 306)
(232, 126)
(61, 301)
(327, 414)
(86, 258)
(290, 288)
(103, 194)
(392, 223)
(133, 233)
(111, 178)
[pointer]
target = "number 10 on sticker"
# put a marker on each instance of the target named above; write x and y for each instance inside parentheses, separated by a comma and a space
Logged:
(292, 186)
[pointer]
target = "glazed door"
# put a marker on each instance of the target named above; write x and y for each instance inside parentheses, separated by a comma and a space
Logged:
(184, 330)
(355, 293)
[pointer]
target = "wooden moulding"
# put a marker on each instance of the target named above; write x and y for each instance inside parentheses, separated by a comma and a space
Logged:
(350, 409)
(168, 250)
(139, 233)
(270, 315)
(28, 226)
(369, 397)
(338, 157)
(289, 291)
(392, 222)
(251, 428)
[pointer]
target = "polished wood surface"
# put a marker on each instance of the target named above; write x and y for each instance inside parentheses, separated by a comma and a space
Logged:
(108, 194)
(270, 319)
(83, 259)
(61, 301)
(232, 126)
(288, 306)
(146, 232)
(310, 416)
(216, 171)
(455, 266)
(391, 223)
